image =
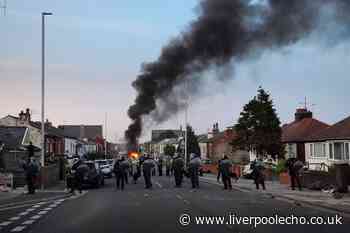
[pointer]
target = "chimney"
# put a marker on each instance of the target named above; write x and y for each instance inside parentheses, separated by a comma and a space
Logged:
(302, 113)
(48, 123)
(27, 115)
(21, 116)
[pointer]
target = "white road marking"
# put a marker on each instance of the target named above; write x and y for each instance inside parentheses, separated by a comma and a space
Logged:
(28, 222)
(24, 213)
(36, 217)
(42, 212)
(14, 218)
(53, 205)
(30, 202)
(47, 209)
(160, 186)
(179, 197)
(30, 210)
(18, 229)
(186, 202)
(37, 206)
(41, 203)
(5, 223)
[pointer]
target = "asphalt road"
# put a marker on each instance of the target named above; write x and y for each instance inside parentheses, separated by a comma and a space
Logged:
(135, 209)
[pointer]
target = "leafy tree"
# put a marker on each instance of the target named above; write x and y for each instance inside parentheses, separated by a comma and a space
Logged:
(169, 150)
(258, 127)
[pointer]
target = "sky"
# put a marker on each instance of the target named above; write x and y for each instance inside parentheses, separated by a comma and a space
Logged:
(94, 50)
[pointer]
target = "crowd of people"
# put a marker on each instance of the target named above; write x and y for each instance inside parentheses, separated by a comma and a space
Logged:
(147, 166)
(175, 166)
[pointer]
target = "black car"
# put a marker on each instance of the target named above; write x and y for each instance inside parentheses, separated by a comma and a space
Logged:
(93, 175)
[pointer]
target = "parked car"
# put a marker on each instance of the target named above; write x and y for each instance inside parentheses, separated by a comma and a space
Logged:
(107, 171)
(106, 167)
(206, 165)
(93, 175)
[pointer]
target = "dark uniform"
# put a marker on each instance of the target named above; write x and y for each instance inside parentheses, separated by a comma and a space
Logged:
(78, 171)
(160, 167)
(294, 167)
(258, 175)
(178, 166)
(148, 166)
(120, 171)
(225, 170)
(193, 168)
(219, 171)
(31, 171)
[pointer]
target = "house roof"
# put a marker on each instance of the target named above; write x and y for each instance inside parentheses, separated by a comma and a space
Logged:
(159, 135)
(338, 131)
(203, 138)
(169, 141)
(90, 132)
(12, 136)
(49, 129)
(300, 131)
(227, 135)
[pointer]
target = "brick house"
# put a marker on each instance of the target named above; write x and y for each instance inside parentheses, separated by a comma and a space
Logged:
(219, 144)
(296, 133)
(329, 146)
(54, 137)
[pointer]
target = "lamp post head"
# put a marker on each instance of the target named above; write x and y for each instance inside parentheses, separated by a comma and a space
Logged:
(46, 13)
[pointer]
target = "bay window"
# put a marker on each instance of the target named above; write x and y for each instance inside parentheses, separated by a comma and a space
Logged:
(339, 150)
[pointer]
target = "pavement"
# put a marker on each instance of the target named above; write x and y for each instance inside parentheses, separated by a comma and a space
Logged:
(309, 197)
(159, 210)
(19, 194)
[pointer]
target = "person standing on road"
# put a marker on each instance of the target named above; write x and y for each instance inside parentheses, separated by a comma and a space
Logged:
(168, 165)
(31, 170)
(126, 172)
(258, 173)
(78, 171)
(119, 175)
(225, 171)
(124, 167)
(219, 171)
(160, 166)
(294, 166)
(178, 166)
(194, 166)
(148, 166)
(136, 171)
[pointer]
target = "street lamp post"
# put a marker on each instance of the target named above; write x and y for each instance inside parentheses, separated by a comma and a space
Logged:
(186, 120)
(43, 14)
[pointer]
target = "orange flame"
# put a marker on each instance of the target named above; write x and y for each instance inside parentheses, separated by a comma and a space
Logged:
(134, 155)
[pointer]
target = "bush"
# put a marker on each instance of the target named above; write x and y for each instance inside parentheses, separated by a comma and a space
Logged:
(280, 167)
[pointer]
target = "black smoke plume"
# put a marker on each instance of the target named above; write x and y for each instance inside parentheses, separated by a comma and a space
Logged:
(225, 32)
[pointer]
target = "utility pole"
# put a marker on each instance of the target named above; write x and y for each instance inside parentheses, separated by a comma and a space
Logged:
(43, 14)
(106, 135)
(186, 119)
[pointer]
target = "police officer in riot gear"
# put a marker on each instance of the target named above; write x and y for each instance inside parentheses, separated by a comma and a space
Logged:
(147, 167)
(194, 166)
(178, 167)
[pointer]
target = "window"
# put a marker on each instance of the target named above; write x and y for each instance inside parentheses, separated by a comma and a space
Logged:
(324, 149)
(311, 150)
(291, 151)
(338, 150)
(330, 150)
(319, 150)
(347, 156)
